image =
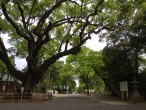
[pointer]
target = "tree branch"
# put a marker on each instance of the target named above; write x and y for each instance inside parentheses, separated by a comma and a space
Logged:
(67, 40)
(4, 57)
(39, 44)
(46, 15)
(58, 23)
(4, 10)
(67, 37)
(59, 50)
(22, 15)
(55, 57)
(87, 19)
(95, 11)
(30, 13)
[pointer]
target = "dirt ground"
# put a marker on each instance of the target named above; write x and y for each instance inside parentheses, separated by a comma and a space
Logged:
(75, 102)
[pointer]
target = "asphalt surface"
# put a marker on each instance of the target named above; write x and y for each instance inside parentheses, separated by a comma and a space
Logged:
(75, 102)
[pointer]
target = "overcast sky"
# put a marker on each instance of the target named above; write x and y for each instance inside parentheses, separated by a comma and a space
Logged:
(93, 43)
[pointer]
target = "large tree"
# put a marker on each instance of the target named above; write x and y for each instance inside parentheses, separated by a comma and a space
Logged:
(42, 31)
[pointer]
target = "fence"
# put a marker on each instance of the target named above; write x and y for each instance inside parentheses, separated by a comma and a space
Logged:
(25, 96)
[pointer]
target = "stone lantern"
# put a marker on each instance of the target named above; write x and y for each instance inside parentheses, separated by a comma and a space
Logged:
(135, 96)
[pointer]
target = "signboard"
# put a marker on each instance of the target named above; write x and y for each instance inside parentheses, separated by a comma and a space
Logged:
(124, 86)
(22, 89)
(4, 87)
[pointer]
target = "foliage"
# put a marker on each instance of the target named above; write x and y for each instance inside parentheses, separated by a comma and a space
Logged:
(42, 31)
(3, 70)
(83, 64)
(52, 77)
(119, 66)
(58, 77)
(125, 47)
(4, 74)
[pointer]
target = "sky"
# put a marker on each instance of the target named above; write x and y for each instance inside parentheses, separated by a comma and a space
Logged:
(93, 44)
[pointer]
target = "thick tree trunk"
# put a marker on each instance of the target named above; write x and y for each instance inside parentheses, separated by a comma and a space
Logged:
(31, 80)
(29, 84)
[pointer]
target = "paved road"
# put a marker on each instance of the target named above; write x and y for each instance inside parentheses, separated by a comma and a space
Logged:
(74, 102)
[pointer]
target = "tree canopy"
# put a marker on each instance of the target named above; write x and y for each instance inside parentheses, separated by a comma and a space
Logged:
(42, 31)
(83, 65)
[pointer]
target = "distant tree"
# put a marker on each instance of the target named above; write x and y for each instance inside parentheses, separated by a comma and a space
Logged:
(51, 77)
(119, 65)
(68, 79)
(83, 64)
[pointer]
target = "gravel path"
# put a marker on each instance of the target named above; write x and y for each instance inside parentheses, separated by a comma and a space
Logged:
(75, 102)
